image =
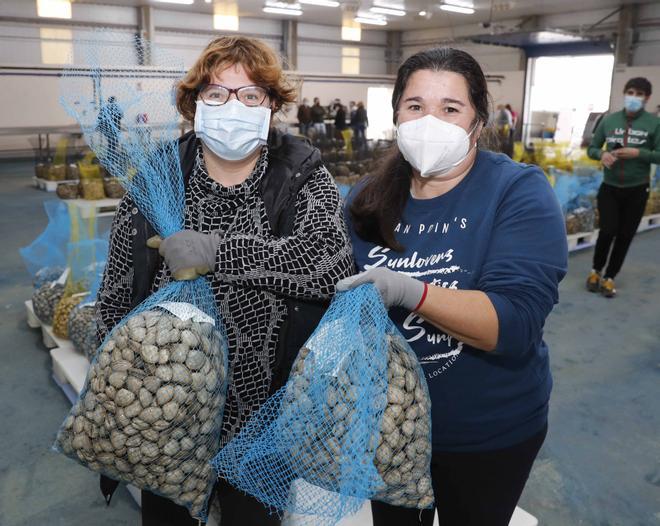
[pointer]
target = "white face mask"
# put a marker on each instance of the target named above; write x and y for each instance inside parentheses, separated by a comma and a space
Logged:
(232, 131)
(432, 146)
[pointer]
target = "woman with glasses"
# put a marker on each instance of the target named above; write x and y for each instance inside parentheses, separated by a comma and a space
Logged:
(263, 221)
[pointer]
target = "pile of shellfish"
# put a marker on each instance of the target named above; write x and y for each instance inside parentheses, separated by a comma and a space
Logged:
(401, 448)
(45, 299)
(82, 330)
(151, 410)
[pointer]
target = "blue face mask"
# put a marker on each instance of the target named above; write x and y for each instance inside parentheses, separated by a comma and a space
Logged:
(633, 104)
(232, 131)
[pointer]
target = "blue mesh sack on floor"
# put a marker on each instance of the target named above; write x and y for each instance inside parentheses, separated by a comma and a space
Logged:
(577, 195)
(151, 408)
(352, 422)
(45, 257)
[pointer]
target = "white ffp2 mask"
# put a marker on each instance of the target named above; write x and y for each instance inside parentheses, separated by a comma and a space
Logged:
(433, 146)
(232, 131)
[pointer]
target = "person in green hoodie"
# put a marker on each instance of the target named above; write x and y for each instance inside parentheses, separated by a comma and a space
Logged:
(632, 143)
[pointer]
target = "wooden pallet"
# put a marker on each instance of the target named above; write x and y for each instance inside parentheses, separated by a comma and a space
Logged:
(581, 240)
(101, 207)
(363, 518)
(649, 222)
(48, 337)
(70, 370)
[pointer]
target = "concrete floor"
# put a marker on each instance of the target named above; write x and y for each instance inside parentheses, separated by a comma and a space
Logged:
(600, 465)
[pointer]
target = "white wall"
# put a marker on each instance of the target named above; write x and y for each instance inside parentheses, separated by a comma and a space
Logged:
(34, 85)
(510, 91)
(34, 91)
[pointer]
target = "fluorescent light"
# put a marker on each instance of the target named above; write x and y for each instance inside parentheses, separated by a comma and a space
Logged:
(186, 2)
(282, 11)
(457, 9)
(372, 21)
(387, 11)
(54, 8)
(422, 13)
(322, 3)
(460, 3)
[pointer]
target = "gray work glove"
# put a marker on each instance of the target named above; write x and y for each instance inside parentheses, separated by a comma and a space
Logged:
(396, 289)
(188, 254)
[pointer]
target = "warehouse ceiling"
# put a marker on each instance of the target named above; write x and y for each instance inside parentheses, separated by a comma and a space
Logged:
(485, 10)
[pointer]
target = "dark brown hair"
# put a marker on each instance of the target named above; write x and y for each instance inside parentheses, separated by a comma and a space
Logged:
(260, 62)
(378, 206)
(639, 83)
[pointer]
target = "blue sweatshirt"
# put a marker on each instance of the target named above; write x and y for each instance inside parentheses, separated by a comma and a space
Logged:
(500, 231)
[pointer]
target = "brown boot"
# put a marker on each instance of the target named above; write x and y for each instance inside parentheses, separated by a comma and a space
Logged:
(607, 288)
(593, 281)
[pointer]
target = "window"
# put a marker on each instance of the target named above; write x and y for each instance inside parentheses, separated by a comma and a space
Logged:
(350, 60)
(56, 45)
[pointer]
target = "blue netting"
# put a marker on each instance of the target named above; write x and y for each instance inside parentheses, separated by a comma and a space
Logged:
(49, 249)
(86, 260)
(151, 409)
(352, 422)
(109, 102)
(46, 275)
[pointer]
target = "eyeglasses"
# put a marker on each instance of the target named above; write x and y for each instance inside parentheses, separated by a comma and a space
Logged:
(217, 95)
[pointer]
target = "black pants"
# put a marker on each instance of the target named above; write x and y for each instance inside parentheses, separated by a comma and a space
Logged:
(620, 211)
(471, 489)
(237, 509)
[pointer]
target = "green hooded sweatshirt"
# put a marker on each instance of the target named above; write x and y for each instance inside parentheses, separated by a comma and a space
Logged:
(641, 131)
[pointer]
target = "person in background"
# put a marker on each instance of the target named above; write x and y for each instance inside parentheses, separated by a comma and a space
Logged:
(514, 116)
(318, 116)
(632, 143)
(360, 123)
(109, 124)
(340, 119)
(504, 125)
(352, 108)
(271, 266)
(304, 117)
(479, 247)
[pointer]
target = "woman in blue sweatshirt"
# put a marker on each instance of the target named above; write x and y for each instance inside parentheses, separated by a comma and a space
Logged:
(467, 249)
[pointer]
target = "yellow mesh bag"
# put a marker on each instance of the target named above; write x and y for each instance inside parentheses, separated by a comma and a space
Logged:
(60, 151)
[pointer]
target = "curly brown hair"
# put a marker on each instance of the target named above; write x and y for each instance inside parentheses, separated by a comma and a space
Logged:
(259, 60)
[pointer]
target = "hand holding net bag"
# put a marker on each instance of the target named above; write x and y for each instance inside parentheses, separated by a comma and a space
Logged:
(151, 408)
(352, 422)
